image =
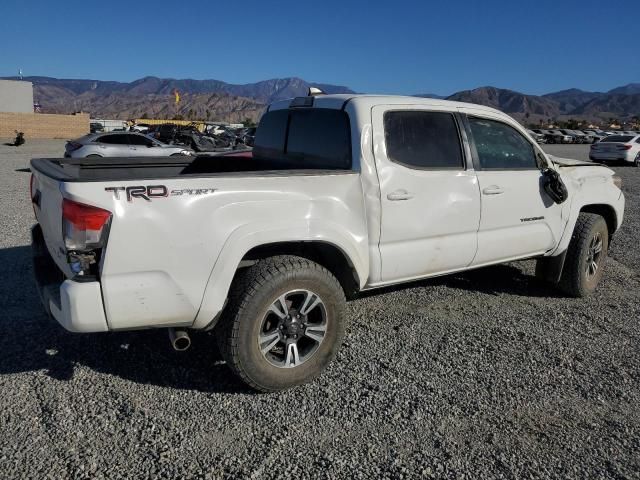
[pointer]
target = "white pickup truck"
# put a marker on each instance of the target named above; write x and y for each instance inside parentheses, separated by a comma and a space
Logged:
(342, 193)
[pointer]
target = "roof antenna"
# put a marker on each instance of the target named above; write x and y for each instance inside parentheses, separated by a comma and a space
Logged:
(314, 92)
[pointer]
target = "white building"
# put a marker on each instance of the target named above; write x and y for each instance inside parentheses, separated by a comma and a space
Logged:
(16, 96)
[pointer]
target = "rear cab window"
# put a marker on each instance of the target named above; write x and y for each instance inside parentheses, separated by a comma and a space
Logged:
(307, 138)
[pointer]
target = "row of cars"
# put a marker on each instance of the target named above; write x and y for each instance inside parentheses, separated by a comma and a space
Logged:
(573, 136)
(163, 140)
(213, 138)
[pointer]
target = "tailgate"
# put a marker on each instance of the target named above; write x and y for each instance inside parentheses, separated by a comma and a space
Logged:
(47, 204)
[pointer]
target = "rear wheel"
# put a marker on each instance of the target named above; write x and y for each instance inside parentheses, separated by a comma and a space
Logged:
(283, 324)
(636, 162)
(586, 256)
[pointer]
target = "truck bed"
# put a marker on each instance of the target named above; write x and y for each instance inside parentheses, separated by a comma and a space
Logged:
(141, 168)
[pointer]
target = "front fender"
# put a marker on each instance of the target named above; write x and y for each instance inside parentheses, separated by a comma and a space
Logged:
(590, 188)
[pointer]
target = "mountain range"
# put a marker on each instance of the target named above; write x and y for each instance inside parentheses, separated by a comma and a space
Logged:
(218, 100)
(619, 103)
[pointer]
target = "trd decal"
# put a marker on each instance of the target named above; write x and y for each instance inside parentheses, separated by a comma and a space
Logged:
(531, 219)
(149, 192)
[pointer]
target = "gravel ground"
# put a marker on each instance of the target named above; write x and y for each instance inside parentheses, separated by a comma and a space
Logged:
(488, 374)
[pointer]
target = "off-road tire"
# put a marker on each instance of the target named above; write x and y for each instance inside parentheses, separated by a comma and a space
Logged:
(574, 280)
(253, 291)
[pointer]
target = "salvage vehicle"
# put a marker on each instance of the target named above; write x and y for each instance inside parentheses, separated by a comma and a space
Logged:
(121, 145)
(560, 137)
(553, 136)
(617, 148)
(191, 137)
(538, 137)
(340, 194)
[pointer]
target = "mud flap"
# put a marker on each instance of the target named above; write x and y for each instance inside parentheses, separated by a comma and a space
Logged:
(549, 269)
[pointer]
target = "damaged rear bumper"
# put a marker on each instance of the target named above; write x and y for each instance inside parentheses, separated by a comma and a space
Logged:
(76, 304)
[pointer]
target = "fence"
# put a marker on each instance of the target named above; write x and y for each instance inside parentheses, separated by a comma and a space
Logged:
(43, 125)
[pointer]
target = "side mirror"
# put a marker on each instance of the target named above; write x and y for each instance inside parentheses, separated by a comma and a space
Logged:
(554, 186)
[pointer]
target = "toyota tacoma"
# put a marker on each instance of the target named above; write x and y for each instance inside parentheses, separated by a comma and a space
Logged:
(341, 194)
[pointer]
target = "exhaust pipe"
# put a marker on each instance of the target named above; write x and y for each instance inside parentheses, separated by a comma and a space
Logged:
(179, 339)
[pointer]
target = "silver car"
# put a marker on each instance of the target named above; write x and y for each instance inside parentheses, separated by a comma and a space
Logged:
(121, 144)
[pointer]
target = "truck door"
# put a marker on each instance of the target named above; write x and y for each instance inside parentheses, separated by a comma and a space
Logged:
(429, 192)
(518, 218)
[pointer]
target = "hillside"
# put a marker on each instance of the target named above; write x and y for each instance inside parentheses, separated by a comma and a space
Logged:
(203, 99)
(204, 106)
(572, 103)
(219, 100)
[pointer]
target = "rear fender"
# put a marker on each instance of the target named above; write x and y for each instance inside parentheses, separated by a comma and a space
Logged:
(253, 235)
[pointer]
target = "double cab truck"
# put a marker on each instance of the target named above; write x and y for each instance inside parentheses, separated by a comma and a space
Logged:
(341, 194)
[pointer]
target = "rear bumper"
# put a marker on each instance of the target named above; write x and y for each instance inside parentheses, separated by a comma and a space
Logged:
(611, 156)
(76, 305)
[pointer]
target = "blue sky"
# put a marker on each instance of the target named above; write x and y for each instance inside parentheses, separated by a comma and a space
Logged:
(398, 46)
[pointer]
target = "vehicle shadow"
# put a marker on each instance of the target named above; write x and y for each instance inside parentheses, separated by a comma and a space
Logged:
(31, 341)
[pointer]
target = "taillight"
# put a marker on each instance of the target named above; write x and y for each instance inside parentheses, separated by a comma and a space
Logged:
(625, 147)
(83, 226)
(71, 146)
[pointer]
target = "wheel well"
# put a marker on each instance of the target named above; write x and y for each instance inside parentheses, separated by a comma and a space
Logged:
(605, 211)
(325, 254)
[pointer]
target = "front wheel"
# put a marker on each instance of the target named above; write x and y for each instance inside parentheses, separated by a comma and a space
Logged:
(283, 324)
(585, 256)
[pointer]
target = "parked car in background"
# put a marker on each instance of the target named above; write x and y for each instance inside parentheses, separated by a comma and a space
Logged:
(554, 136)
(596, 134)
(140, 128)
(545, 133)
(539, 137)
(247, 136)
(625, 148)
(575, 137)
(95, 127)
(120, 145)
(589, 138)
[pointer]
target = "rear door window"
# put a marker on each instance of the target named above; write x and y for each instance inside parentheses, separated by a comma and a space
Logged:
(618, 139)
(500, 146)
(423, 140)
(117, 139)
(139, 140)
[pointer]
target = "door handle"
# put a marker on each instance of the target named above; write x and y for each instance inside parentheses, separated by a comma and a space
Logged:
(399, 195)
(493, 190)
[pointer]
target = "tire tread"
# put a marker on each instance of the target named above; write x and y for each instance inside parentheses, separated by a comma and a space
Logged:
(571, 279)
(246, 285)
